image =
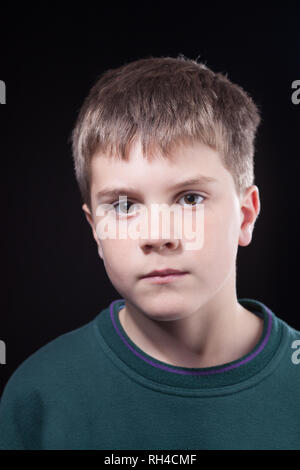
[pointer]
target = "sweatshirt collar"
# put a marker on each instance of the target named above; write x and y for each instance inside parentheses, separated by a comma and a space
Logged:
(135, 360)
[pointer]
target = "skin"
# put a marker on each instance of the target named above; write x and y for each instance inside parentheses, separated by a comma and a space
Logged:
(196, 320)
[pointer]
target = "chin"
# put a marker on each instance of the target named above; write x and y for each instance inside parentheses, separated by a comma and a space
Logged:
(166, 307)
(166, 314)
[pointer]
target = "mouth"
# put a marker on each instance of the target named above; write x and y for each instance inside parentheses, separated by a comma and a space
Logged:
(164, 276)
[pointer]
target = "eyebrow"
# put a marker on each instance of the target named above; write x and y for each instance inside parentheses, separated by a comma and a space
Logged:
(115, 191)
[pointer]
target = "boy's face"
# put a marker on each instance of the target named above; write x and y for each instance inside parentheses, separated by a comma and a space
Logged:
(228, 222)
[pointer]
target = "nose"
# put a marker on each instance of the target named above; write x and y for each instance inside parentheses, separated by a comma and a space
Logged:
(158, 234)
(159, 244)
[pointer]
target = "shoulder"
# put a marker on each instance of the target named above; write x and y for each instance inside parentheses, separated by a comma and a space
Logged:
(289, 354)
(293, 336)
(44, 386)
(54, 362)
(290, 331)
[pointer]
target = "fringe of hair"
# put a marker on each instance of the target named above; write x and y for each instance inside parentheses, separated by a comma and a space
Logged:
(164, 101)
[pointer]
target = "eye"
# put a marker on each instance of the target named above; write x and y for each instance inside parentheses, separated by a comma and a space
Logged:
(124, 204)
(190, 197)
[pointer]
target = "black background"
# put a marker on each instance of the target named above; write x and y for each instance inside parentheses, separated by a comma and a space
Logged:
(52, 279)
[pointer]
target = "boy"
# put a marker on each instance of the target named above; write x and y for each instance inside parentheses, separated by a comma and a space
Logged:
(178, 362)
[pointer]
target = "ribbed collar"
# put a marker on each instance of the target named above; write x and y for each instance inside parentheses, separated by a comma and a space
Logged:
(126, 354)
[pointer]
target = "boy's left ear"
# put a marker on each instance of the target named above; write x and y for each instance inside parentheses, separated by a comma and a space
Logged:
(250, 209)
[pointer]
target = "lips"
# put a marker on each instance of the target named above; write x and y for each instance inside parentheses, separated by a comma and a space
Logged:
(165, 278)
(163, 272)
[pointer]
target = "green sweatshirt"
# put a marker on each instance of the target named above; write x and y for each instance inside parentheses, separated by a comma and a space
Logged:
(93, 388)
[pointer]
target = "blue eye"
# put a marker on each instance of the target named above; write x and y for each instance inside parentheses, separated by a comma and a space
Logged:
(128, 203)
(123, 203)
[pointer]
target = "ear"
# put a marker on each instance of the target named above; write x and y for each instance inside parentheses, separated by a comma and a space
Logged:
(89, 218)
(250, 209)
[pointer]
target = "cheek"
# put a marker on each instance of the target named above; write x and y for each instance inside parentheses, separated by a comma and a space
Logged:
(116, 259)
(220, 239)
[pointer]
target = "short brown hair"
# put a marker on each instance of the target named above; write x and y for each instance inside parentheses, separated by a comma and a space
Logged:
(164, 101)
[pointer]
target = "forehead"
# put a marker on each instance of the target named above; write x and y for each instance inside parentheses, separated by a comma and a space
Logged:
(185, 162)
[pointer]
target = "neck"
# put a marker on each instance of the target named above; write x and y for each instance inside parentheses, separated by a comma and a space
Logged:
(217, 332)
